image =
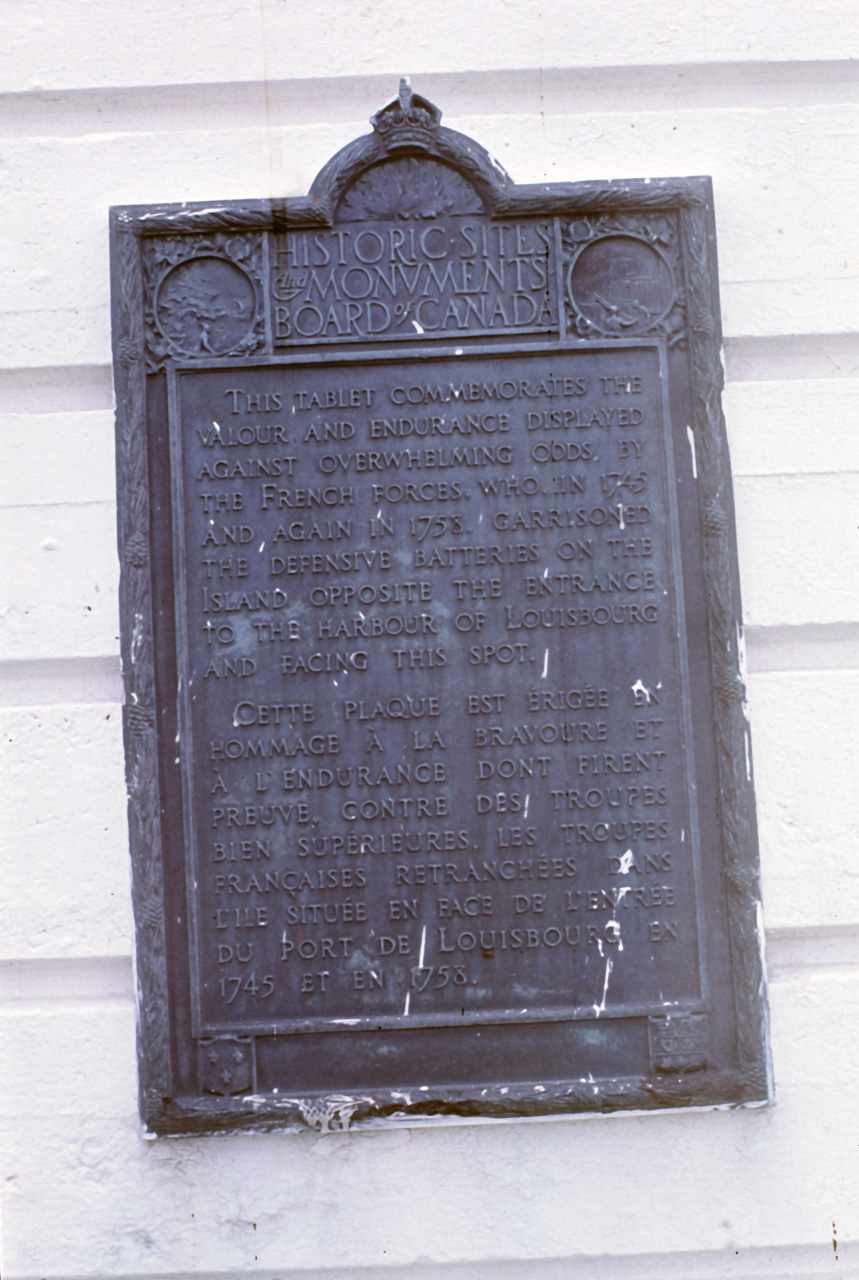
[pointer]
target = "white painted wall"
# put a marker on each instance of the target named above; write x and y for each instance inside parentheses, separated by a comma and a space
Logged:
(103, 103)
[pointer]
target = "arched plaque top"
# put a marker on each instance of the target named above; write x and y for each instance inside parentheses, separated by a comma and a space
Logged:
(408, 188)
(426, 386)
(409, 167)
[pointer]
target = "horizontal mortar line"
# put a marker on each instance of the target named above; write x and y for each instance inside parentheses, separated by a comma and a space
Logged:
(806, 949)
(44, 682)
(80, 387)
(811, 472)
(76, 502)
(67, 978)
(792, 1261)
(333, 99)
(72, 388)
(792, 951)
(802, 648)
(791, 357)
(788, 649)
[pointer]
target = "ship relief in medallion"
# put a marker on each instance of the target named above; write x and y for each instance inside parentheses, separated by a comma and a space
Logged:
(622, 277)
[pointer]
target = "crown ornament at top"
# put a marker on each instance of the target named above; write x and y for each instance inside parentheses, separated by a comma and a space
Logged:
(409, 121)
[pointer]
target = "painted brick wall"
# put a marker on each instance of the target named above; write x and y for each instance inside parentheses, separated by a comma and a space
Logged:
(103, 104)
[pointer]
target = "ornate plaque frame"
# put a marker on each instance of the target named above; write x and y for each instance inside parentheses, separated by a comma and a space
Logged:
(212, 286)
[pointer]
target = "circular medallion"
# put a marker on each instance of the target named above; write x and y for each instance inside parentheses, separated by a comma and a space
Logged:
(620, 284)
(205, 305)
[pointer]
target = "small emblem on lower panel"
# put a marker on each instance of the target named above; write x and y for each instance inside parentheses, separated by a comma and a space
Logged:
(679, 1042)
(226, 1066)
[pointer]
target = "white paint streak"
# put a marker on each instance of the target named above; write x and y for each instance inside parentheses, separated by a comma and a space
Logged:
(691, 437)
(423, 947)
(408, 1001)
(600, 1008)
(136, 636)
(640, 687)
(545, 665)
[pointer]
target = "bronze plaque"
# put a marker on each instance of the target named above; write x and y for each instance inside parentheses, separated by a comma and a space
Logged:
(440, 784)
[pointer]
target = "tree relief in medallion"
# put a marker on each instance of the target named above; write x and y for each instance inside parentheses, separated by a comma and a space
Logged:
(203, 297)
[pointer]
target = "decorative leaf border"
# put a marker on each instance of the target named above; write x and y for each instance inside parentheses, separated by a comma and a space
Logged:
(690, 200)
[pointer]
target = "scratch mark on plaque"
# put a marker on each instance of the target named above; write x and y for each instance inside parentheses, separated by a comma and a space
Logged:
(641, 687)
(620, 513)
(527, 802)
(418, 327)
(691, 434)
(408, 1000)
(423, 947)
(545, 664)
(626, 863)
(262, 546)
